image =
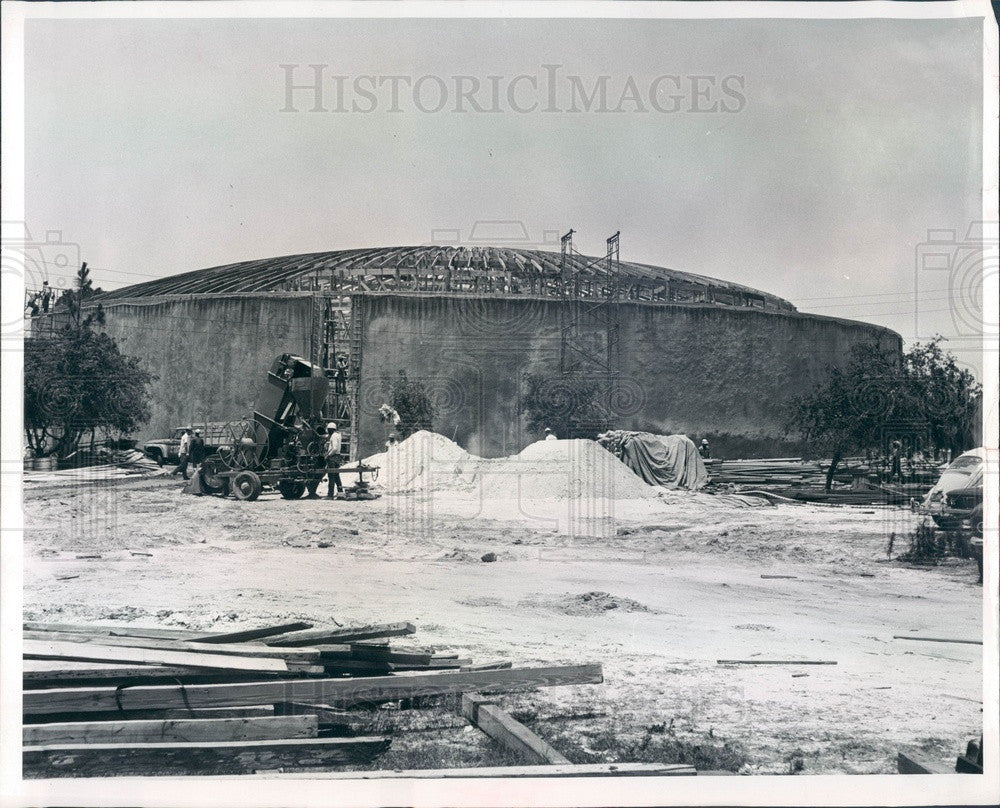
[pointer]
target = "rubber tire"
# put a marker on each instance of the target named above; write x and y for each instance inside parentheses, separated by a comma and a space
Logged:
(312, 487)
(209, 481)
(290, 489)
(158, 457)
(246, 486)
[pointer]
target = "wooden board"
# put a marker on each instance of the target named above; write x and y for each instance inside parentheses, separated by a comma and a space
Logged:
(171, 730)
(258, 711)
(342, 635)
(910, 765)
(325, 714)
(775, 662)
(488, 666)
(337, 693)
(508, 732)
(206, 758)
(936, 639)
(252, 634)
(577, 770)
(231, 649)
(123, 630)
(88, 652)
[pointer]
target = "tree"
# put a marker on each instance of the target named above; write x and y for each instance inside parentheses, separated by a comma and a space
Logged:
(78, 382)
(412, 403)
(73, 301)
(861, 402)
(565, 404)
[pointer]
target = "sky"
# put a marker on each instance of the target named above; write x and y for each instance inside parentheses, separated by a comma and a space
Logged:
(806, 158)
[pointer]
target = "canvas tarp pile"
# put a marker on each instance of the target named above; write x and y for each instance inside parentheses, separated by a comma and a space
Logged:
(670, 461)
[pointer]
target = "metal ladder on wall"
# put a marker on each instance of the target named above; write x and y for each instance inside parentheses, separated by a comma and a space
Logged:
(333, 337)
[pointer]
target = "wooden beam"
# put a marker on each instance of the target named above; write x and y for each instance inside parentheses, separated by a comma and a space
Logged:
(508, 732)
(909, 765)
(577, 770)
(342, 635)
(335, 692)
(232, 649)
(114, 631)
(324, 713)
(258, 711)
(87, 652)
(252, 634)
(775, 662)
(205, 758)
(171, 730)
(936, 639)
(488, 666)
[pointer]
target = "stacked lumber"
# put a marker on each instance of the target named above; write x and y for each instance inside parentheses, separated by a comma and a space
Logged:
(104, 700)
(855, 482)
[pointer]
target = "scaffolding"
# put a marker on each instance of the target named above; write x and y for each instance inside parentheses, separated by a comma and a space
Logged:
(591, 321)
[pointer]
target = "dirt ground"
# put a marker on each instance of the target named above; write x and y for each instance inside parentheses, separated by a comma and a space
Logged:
(655, 592)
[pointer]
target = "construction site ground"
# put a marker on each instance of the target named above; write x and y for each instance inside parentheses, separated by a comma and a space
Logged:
(657, 594)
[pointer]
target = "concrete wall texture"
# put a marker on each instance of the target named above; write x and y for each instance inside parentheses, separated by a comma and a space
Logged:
(210, 352)
(703, 370)
(696, 369)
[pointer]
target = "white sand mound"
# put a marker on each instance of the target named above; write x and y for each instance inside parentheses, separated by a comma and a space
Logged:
(547, 470)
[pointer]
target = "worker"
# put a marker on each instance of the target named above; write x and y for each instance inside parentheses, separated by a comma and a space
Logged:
(333, 459)
(340, 376)
(46, 296)
(549, 434)
(896, 458)
(391, 442)
(703, 450)
(197, 449)
(183, 454)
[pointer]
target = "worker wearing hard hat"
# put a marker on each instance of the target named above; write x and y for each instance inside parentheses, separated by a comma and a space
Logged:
(703, 450)
(550, 435)
(334, 457)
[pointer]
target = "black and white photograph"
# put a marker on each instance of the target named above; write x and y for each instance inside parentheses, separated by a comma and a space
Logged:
(510, 403)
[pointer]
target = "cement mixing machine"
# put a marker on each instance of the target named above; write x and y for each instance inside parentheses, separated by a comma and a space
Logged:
(283, 445)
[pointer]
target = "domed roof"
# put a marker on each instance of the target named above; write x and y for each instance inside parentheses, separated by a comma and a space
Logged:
(391, 264)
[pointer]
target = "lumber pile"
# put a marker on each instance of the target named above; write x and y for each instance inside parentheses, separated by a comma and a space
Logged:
(101, 701)
(855, 482)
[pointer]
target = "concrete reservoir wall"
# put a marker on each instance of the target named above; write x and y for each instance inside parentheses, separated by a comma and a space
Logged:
(211, 353)
(703, 370)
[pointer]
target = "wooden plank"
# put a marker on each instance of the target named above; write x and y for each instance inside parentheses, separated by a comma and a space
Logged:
(342, 635)
(936, 639)
(88, 652)
(114, 631)
(324, 713)
(577, 770)
(775, 662)
(508, 732)
(258, 711)
(171, 730)
(335, 692)
(910, 765)
(204, 758)
(233, 649)
(252, 634)
(488, 666)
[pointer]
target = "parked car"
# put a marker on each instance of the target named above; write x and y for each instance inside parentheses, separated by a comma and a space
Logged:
(957, 491)
(166, 450)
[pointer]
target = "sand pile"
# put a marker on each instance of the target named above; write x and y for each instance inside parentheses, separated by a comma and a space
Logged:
(547, 470)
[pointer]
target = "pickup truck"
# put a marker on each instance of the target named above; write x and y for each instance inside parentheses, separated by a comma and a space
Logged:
(166, 450)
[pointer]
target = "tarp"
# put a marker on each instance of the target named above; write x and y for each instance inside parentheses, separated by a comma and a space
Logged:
(670, 461)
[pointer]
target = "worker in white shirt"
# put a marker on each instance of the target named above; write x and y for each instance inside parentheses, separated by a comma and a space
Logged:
(183, 454)
(334, 441)
(549, 435)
